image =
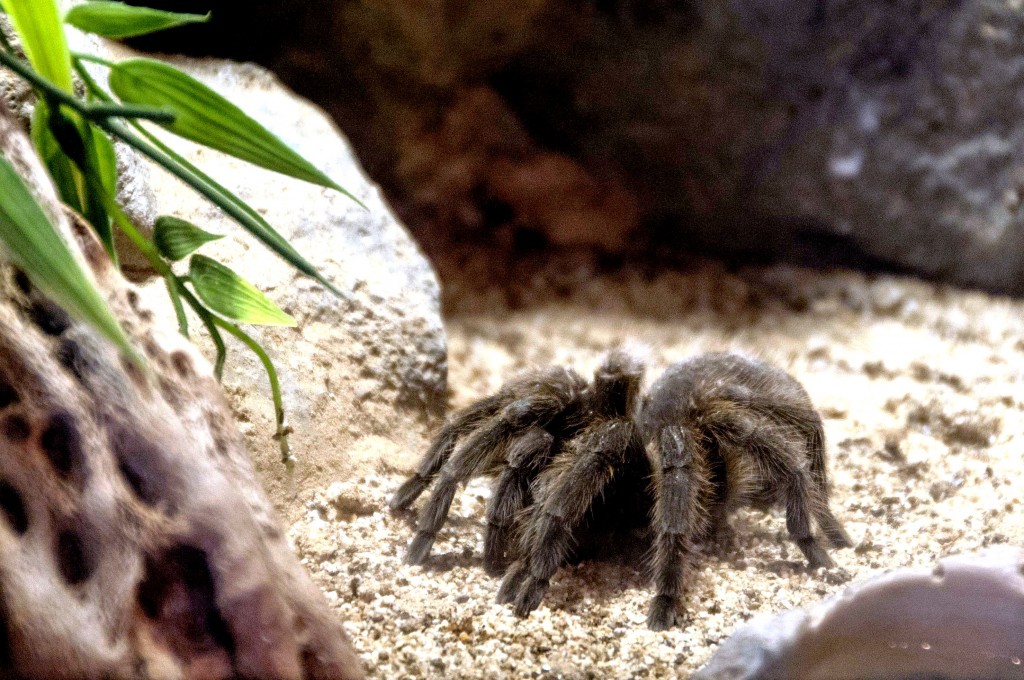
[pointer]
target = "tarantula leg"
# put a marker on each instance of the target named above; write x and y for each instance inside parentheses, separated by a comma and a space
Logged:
(677, 475)
(833, 530)
(802, 491)
(510, 584)
(471, 456)
(827, 522)
(567, 490)
(441, 450)
(798, 522)
(511, 494)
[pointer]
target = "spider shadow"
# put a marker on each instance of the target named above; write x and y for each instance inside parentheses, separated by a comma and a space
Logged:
(410, 516)
(594, 581)
(731, 545)
(603, 577)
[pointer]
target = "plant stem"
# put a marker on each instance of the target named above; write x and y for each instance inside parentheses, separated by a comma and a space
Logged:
(283, 430)
(99, 115)
(151, 254)
(84, 56)
(207, 318)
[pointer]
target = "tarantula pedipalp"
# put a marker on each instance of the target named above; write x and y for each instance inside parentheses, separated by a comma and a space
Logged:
(713, 432)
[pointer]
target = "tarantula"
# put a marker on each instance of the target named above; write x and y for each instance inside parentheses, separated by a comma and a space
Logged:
(575, 461)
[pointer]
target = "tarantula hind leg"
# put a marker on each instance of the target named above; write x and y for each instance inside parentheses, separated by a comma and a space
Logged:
(827, 522)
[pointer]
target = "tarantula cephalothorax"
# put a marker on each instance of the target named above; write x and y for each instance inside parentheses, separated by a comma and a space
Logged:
(576, 460)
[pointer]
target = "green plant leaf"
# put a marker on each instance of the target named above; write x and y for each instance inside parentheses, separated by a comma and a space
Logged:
(42, 37)
(118, 20)
(232, 206)
(175, 238)
(92, 153)
(36, 246)
(60, 167)
(207, 118)
(228, 294)
(101, 163)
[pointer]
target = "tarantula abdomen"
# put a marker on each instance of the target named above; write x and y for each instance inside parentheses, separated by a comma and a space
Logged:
(723, 431)
(576, 462)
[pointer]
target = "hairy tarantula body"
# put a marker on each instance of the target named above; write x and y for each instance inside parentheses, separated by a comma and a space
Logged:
(575, 461)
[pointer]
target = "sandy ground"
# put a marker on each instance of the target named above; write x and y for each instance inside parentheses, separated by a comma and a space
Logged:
(919, 385)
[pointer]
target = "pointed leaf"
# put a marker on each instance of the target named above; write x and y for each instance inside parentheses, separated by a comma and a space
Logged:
(118, 20)
(92, 153)
(228, 294)
(42, 37)
(101, 163)
(230, 204)
(60, 167)
(205, 117)
(175, 238)
(35, 245)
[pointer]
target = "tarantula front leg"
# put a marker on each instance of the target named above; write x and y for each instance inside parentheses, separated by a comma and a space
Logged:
(566, 490)
(471, 456)
(526, 458)
(679, 463)
(440, 450)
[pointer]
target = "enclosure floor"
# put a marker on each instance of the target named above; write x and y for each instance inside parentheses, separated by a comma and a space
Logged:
(919, 386)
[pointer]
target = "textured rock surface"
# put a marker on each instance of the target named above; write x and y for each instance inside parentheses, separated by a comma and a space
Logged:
(962, 619)
(135, 540)
(362, 376)
(877, 133)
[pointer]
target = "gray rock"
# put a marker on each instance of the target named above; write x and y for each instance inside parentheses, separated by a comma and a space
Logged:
(962, 619)
(135, 195)
(908, 142)
(872, 133)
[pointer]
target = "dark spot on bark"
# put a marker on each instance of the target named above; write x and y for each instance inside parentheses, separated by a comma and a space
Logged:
(15, 428)
(62, 444)
(22, 281)
(13, 508)
(71, 357)
(179, 594)
(72, 559)
(142, 465)
(133, 371)
(49, 317)
(8, 395)
(152, 349)
(138, 483)
(182, 364)
(135, 302)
